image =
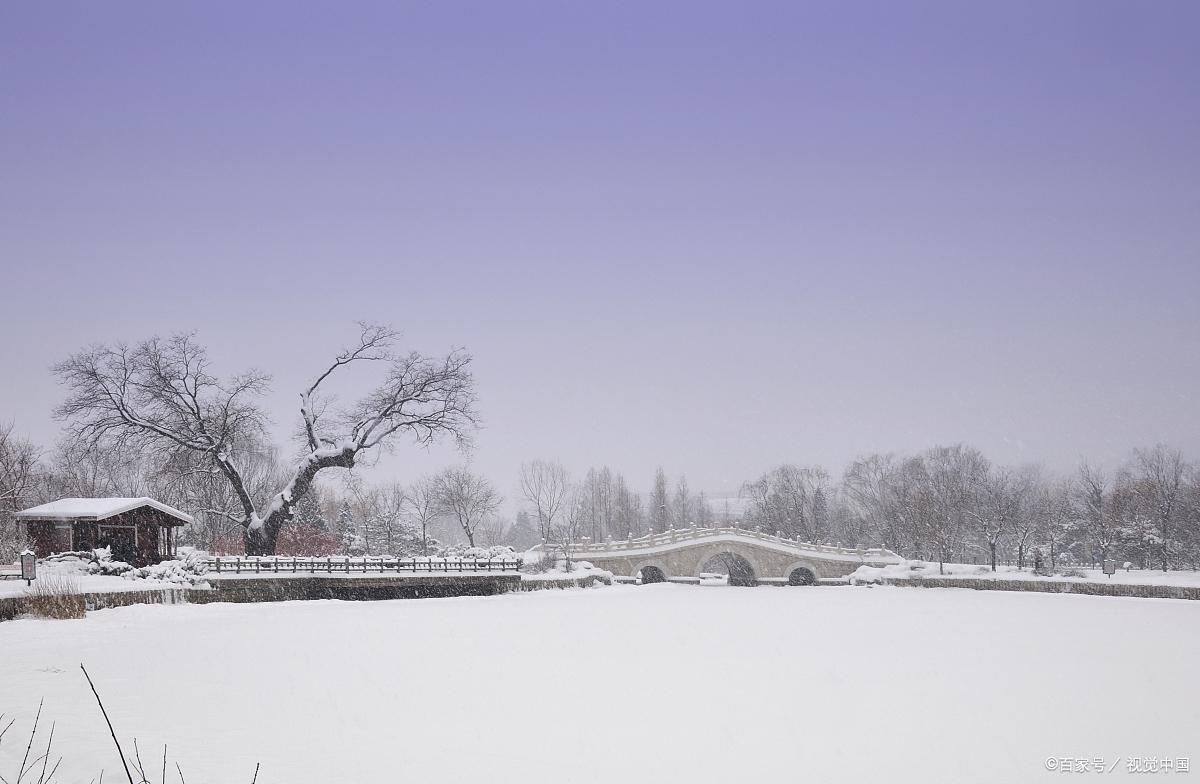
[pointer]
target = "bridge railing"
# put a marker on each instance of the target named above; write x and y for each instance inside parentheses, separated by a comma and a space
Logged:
(350, 565)
(686, 534)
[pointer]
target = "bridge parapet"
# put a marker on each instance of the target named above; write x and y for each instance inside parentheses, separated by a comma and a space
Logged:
(682, 535)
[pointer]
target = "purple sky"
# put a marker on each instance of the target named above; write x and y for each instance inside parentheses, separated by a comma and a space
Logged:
(712, 236)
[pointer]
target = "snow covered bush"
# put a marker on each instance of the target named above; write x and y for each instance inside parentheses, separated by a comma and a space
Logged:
(455, 551)
(109, 567)
(72, 556)
(535, 562)
(102, 563)
(187, 568)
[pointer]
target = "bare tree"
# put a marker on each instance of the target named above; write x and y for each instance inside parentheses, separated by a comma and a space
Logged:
(469, 497)
(544, 485)
(491, 531)
(425, 507)
(576, 512)
(381, 515)
(1057, 517)
(704, 512)
(1003, 501)
(1160, 473)
(871, 485)
(18, 472)
(18, 464)
(681, 504)
(88, 471)
(1028, 522)
(1095, 510)
(627, 510)
(161, 396)
(955, 477)
(784, 500)
(658, 506)
(399, 534)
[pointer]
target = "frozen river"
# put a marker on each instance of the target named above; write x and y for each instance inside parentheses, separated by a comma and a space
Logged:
(659, 683)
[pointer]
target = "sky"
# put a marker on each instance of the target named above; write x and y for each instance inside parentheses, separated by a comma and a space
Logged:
(714, 237)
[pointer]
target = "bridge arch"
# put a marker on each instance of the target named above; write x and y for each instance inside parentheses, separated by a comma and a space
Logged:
(801, 573)
(742, 570)
(739, 554)
(656, 569)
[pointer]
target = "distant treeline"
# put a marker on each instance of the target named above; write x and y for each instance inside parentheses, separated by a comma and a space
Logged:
(948, 503)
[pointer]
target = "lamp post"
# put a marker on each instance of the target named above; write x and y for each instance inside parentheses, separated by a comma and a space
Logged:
(28, 566)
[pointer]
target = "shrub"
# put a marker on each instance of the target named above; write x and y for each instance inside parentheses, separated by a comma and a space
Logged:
(56, 596)
(102, 563)
(463, 551)
(187, 568)
(306, 540)
(547, 563)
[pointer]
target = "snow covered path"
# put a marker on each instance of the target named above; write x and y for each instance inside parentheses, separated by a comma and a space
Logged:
(659, 683)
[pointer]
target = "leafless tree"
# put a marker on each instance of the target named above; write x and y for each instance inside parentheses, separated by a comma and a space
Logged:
(468, 496)
(399, 533)
(18, 473)
(871, 487)
(658, 510)
(424, 505)
(627, 510)
(1027, 523)
(544, 484)
(1160, 473)
(704, 513)
(1095, 509)
(18, 465)
(571, 524)
(161, 396)
(491, 531)
(1004, 499)
(681, 504)
(86, 470)
(381, 514)
(1057, 517)
(784, 500)
(956, 476)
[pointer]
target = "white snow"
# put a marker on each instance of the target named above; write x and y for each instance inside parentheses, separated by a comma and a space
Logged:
(657, 683)
(579, 570)
(75, 571)
(96, 509)
(922, 569)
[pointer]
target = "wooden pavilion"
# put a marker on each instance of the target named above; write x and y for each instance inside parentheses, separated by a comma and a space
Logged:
(140, 531)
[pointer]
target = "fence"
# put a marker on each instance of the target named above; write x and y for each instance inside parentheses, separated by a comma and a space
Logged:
(367, 565)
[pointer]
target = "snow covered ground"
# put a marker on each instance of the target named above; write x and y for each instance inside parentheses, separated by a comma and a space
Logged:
(919, 569)
(75, 573)
(660, 683)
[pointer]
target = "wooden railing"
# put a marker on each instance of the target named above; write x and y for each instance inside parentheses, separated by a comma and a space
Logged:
(677, 535)
(351, 565)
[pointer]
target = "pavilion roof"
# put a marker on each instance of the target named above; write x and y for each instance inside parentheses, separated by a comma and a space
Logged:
(97, 509)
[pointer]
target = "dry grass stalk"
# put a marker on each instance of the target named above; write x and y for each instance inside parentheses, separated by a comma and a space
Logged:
(55, 596)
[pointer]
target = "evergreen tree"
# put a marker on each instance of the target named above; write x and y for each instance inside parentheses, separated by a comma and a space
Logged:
(309, 514)
(346, 527)
(523, 534)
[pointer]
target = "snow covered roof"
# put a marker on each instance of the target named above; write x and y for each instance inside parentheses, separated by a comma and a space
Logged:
(96, 509)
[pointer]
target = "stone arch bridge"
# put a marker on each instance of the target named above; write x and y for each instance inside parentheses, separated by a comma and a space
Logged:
(750, 556)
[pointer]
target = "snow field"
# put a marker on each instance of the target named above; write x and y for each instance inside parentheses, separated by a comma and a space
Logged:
(660, 683)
